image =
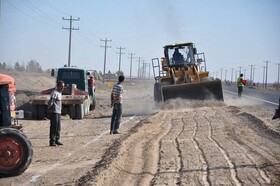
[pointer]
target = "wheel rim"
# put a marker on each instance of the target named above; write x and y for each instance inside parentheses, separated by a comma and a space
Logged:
(11, 153)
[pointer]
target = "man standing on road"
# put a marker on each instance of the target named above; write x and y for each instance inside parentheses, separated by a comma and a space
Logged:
(116, 103)
(55, 107)
(240, 84)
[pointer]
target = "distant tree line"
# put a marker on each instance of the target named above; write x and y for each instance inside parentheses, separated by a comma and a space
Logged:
(32, 66)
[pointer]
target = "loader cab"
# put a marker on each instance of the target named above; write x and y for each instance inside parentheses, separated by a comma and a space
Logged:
(179, 54)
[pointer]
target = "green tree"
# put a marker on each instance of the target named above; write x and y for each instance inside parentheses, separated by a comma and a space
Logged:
(3, 66)
(33, 66)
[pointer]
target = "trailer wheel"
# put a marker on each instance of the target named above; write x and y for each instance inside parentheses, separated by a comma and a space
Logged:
(16, 152)
(72, 112)
(34, 111)
(42, 112)
(93, 104)
(79, 111)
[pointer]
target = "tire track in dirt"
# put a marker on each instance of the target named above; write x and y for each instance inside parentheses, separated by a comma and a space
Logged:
(133, 160)
(205, 164)
(248, 161)
(170, 164)
(232, 167)
(259, 144)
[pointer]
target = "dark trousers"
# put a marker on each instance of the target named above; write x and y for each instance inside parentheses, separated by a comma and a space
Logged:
(116, 117)
(54, 127)
(240, 89)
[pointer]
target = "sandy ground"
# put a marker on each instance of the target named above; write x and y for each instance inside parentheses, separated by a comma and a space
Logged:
(181, 143)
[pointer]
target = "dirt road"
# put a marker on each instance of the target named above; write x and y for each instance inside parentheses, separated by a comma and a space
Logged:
(195, 144)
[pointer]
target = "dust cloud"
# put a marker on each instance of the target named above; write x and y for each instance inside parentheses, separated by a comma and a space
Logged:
(186, 104)
(139, 99)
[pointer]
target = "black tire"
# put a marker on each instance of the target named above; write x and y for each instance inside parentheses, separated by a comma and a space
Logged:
(93, 104)
(34, 110)
(12, 140)
(157, 92)
(79, 111)
(72, 111)
(42, 112)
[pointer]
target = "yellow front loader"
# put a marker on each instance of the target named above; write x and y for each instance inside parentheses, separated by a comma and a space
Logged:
(182, 73)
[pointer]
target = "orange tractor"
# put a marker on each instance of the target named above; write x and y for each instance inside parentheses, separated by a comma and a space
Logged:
(15, 149)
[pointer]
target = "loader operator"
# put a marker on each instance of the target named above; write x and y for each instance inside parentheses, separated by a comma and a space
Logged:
(178, 58)
(240, 84)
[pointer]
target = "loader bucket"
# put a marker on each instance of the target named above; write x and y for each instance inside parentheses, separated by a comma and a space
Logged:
(200, 90)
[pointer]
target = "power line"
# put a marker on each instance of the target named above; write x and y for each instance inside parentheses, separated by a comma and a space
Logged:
(70, 33)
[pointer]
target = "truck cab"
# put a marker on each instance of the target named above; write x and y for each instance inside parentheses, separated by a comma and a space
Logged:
(78, 76)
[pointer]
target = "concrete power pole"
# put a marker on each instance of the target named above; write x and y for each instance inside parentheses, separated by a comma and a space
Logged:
(139, 60)
(251, 74)
(263, 77)
(131, 57)
(278, 76)
(70, 35)
(231, 75)
(266, 67)
(106, 40)
(120, 59)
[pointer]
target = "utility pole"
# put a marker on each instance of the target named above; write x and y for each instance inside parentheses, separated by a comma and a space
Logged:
(253, 74)
(225, 75)
(120, 58)
(251, 81)
(244, 75)
(231, 75)
(278, 76)
(70, 35)
(142, 70)
(139, 60)
(263, 76)
(222, 74)
(266, 73)
(131, 57)
(105, 46)
(240, 67)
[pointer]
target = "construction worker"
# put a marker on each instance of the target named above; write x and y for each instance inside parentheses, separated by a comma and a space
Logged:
(55, 106)
(240, 84)
(116, 103)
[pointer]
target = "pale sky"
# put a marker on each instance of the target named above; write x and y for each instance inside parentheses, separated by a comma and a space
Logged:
(231, 33)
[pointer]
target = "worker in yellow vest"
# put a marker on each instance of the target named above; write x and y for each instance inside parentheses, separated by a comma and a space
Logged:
(240, 84)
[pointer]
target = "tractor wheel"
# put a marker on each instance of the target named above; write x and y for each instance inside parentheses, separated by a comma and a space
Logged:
(15, 152)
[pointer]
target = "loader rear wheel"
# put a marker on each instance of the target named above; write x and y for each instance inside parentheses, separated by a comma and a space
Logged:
(15, 152)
